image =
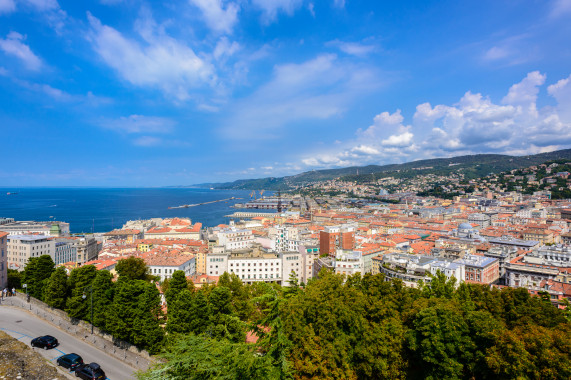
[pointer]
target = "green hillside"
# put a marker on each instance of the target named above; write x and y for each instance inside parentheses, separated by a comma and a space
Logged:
(472, 166)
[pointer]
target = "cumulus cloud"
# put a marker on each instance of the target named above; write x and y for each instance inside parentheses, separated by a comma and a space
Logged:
(13, 45)
(158, 62)
(218, 16)
(561, 91)
(475, 124)
(7, 6)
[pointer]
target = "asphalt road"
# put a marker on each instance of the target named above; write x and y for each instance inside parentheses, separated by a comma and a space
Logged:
(25, 326)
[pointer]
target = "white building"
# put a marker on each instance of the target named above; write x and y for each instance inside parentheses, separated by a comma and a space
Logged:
(233, 238)
(258, 264)
(285, 239)
(348, 262)
(164, 265)
(23, 247)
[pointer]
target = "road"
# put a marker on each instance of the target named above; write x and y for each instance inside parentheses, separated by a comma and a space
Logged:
(25, 326)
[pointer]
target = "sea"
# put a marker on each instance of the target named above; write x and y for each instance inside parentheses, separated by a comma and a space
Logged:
(90, 210)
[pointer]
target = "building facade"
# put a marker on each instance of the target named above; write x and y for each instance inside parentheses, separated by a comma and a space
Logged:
(3, 260)
(23, 247)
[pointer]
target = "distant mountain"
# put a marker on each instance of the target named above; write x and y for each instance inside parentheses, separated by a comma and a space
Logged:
(473, 166)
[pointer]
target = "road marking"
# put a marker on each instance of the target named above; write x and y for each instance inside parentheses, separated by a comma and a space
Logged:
(25, 335)
(17, 332)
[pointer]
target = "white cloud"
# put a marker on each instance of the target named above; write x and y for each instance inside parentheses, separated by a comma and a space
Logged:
(353, 48)
(496, 53)
(270, 8)
(473, 125)
(13, 45)
(7, 6)
(403, 139)
(317, 89)
(225, 49)
(139, 124)
(365, 149)
(561, 91)
(218, 18)
(160, 62)
(524, 93)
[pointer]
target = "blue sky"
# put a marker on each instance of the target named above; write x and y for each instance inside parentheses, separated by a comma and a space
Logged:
(140, 93)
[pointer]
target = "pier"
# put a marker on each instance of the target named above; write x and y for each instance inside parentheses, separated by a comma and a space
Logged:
(251, 214)
(203, 203)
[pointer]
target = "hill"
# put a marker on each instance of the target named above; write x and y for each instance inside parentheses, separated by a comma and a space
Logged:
(473, 166)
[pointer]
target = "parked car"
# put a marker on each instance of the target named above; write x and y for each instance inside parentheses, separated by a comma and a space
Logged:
(70, 361)
(45, 342)
(91, 371)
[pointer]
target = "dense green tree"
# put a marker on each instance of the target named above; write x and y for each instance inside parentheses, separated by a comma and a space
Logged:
(36, 274)
(360, 327)
(14, 279)
(55, 293)
(200, 313)
(147, 331)
(102, 297)
(180, 313)
(439, 286)
(123, 311)
(223, 323)
(79, 281)
(220, 301)
(240, 300)
(201, 358)
(135, 315)
(132, 268)
(177, 283)
(440, 340)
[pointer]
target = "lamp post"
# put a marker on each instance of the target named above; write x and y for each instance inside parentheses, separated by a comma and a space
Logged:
(84, 297)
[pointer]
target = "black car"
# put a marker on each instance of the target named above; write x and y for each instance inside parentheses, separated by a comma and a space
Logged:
(91, 371)
(70, 361)
(45, 342)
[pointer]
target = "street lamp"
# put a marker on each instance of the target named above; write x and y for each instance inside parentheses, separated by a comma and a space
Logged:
(84, 296)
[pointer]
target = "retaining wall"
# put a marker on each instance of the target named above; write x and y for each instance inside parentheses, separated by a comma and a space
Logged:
(123, 351)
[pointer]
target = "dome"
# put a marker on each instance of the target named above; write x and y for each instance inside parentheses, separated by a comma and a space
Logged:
(465, 226)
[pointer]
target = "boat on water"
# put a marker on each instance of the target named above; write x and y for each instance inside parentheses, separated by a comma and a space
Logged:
(11, 193)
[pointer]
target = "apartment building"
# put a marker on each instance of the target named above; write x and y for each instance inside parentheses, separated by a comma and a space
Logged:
(233, 238)
(23, 247)
(257, 264)
(164, 264)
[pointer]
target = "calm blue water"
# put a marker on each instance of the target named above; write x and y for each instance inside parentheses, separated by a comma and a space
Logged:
(102, 210)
